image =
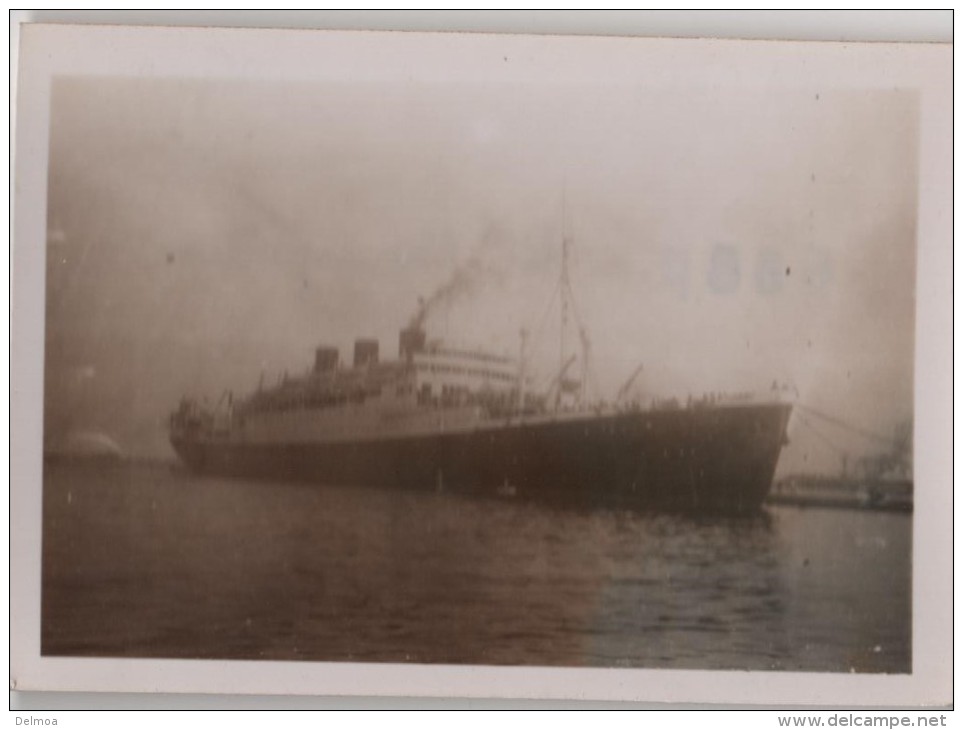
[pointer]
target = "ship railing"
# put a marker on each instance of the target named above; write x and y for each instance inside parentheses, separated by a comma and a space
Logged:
(704, 401)
(191, 419)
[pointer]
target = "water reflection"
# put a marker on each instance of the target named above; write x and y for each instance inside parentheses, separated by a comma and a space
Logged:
(150, 562)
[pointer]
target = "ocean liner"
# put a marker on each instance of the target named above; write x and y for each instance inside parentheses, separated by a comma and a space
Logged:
(450, 419)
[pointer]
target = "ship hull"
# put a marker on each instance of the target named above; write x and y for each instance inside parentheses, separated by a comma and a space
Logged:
(714, 459)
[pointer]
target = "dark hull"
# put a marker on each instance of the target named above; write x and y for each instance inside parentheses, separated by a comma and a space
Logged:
(719, 459)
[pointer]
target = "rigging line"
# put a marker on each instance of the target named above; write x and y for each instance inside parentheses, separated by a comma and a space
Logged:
(541, 326)
(575, 314)
(825, 439)
(568, 294)
(573, 253)
(571, 301)
(842, 424)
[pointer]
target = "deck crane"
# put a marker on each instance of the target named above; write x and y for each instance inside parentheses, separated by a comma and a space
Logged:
(628, 383)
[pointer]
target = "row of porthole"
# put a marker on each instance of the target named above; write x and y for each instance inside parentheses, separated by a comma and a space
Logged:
(489, 374)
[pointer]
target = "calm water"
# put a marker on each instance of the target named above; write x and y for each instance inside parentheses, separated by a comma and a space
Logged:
(150, 561)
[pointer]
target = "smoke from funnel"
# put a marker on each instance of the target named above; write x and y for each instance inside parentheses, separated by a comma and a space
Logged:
(463, 282)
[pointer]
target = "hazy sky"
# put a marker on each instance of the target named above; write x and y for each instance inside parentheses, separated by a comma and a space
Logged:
(201, 232)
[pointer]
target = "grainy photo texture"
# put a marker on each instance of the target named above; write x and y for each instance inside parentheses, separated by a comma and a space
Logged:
(483, 371)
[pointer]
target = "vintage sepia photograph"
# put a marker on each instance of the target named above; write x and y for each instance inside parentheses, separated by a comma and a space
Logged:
(479, 351)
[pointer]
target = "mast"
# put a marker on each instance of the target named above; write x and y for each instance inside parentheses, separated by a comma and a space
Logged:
(564, 288)
(586, 348)
(567, 303)
(523, 336)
